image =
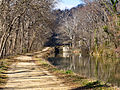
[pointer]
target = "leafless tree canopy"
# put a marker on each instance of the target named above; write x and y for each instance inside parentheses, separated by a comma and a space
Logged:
(24, 25)
(80, 23)
(87, 24)
(27, 25)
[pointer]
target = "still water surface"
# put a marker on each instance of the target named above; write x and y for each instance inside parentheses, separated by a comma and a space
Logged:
(107, 70)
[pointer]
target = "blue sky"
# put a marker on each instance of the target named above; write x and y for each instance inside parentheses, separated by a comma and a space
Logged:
(67, 4)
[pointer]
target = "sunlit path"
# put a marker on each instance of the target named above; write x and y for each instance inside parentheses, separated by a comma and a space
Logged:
(26, 75)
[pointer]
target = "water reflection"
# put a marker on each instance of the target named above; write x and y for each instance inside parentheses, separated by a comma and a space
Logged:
(66, 54)
(106, 70)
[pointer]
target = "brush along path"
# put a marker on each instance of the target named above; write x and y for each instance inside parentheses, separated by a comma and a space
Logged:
(25, 74)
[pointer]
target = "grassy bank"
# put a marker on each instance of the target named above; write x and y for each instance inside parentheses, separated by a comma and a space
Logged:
(76, 82)
(73, 80)
(4, 66)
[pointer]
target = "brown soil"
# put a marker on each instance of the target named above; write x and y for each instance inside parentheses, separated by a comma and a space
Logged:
(25, 74)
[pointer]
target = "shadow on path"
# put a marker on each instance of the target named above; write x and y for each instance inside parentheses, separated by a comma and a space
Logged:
(91, 86)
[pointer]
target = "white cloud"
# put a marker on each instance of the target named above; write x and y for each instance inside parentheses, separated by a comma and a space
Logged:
(63, 6)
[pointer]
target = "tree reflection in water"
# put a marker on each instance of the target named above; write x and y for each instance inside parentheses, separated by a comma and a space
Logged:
(107, 70)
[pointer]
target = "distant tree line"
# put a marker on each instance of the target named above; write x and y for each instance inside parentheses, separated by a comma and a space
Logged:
(29, 25)
(91, 26)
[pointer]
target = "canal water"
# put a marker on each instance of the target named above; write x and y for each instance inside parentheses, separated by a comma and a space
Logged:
(104, 69)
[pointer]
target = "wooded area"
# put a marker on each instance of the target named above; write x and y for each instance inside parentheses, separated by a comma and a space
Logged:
(29, 25)
(93, 26)
(24, 25)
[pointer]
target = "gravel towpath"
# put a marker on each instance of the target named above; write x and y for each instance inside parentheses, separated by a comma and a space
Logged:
(25, 74)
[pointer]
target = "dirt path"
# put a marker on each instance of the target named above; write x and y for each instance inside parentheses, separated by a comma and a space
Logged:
(26, 75)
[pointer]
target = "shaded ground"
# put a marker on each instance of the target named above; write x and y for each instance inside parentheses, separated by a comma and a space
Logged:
(25, 74)
(32, 72)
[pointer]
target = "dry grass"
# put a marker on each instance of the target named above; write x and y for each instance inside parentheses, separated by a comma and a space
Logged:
(73, 80)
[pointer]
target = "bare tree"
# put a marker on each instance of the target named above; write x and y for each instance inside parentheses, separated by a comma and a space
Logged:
(25, 25)
(80, 24)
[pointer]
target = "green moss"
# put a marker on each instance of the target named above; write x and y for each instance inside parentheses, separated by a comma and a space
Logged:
(106, 29)
(68, 72)
(54, 69)
(118, 23)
